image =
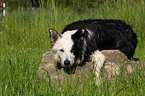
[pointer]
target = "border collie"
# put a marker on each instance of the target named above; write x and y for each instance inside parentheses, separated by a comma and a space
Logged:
(82, 40)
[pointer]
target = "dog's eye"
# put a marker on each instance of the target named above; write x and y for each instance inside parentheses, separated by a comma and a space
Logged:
(72, 50)
(61, 50)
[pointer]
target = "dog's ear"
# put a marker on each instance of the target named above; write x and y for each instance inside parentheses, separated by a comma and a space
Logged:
(54, 35)
(79, 35)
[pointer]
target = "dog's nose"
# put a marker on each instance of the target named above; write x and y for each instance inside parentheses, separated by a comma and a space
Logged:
(66, 62)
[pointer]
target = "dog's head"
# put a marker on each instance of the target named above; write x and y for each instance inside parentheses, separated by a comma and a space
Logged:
(69, 47)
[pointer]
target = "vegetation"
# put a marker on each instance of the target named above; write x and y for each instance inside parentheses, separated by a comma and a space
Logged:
(24, 37)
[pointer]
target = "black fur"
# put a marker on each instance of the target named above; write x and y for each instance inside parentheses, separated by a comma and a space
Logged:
(107, 34)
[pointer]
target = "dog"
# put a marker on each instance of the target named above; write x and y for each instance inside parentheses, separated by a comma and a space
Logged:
(82, 40)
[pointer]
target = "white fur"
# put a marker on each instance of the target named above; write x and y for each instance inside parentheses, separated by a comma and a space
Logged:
(64, 42)
(90, 33)
(98, 58)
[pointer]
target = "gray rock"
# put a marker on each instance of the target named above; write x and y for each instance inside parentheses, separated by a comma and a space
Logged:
(116, 62)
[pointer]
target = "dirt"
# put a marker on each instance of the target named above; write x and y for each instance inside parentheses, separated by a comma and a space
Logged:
(115, 63)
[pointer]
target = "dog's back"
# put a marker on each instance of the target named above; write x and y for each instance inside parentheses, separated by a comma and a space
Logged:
(107, 34)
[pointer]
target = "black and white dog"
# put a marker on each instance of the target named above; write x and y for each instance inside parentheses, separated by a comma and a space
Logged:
(84, 39)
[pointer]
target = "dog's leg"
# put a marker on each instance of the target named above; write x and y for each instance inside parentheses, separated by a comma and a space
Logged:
(98, 58)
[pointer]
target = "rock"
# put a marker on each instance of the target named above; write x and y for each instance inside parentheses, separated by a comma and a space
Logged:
(116, 62)
(47, 66)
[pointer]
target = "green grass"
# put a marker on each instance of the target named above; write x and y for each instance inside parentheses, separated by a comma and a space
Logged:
(24, 37)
